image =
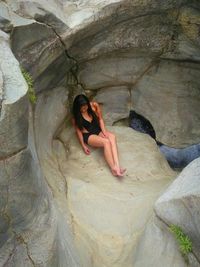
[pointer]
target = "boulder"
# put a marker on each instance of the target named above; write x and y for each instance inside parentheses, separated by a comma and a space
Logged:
(13, 102)
(180, 203)
(168, 96)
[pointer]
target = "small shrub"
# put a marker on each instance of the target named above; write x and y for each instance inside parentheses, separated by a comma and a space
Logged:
(31, 92)
(185, 244)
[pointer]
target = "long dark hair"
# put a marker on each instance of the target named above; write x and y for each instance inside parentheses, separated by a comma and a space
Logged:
(79, 101)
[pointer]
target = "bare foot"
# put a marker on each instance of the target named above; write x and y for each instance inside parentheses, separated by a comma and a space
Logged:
(122, 170)
(114, 172)
(117, 172)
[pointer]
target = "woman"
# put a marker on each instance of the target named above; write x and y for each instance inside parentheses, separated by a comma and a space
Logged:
(90, 129)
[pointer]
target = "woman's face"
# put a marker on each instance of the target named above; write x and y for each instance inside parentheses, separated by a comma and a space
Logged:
(84, 108)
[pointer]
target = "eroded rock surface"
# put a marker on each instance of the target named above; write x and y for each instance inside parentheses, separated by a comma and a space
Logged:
(59, 207)
(108, 213)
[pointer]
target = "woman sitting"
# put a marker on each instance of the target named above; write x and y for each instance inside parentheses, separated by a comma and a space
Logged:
(90, 129)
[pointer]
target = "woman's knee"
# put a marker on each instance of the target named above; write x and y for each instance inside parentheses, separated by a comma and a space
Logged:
(112, 137)
(106, 142)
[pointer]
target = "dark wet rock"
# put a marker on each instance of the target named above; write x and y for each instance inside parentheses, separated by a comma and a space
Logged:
(180, 157)
(141, 124)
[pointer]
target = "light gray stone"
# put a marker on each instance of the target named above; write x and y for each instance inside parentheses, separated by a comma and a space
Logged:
(40, 51)
(117, 69)
(13, 102)
(50, 113)
(13, 85)
(193, 262)
(9, 18)
(13, 127)
(25, 209)
(115, 103)
(5, 23)
(157, 247)
(47, 12)
(146, 25)
(36, 230)
(180, 203)
(168, 96)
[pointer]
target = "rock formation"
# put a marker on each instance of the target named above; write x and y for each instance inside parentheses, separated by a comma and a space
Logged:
(59, 207)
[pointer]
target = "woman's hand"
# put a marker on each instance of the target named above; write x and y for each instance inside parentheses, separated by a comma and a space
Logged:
(105, 134)
(86, 150)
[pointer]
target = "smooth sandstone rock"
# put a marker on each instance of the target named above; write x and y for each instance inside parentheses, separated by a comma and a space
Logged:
(107, 213)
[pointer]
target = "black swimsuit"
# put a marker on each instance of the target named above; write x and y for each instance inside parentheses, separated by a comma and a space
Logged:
(92, 128)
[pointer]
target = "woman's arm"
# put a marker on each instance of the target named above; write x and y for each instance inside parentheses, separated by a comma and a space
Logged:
(80, 138)
(101, 121)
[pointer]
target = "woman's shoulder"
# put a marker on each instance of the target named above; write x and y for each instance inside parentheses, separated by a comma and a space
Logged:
(94, 104)
(96, 108)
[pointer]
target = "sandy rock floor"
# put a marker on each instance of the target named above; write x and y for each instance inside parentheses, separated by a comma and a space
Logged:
(109, 214)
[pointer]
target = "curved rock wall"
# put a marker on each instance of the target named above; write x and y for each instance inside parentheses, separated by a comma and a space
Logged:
(149, 50)
(34, 230)
(141, 55)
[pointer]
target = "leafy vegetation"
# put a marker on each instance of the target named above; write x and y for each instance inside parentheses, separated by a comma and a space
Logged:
(31, 92)
(185, 244)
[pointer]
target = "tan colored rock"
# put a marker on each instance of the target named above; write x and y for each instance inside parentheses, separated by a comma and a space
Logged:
(110, 214)
(189, 19)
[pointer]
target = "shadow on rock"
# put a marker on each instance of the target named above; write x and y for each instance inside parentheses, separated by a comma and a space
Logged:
(177, 158)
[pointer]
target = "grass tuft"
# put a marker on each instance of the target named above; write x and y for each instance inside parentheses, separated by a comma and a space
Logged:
(31, 92)
(185, 244)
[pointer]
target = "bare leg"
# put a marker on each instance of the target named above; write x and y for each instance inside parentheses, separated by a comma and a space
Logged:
(98, 141)
(113, 143)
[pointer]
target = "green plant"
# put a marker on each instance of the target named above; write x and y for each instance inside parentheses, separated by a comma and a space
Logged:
(31, 92)
(184, 241)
